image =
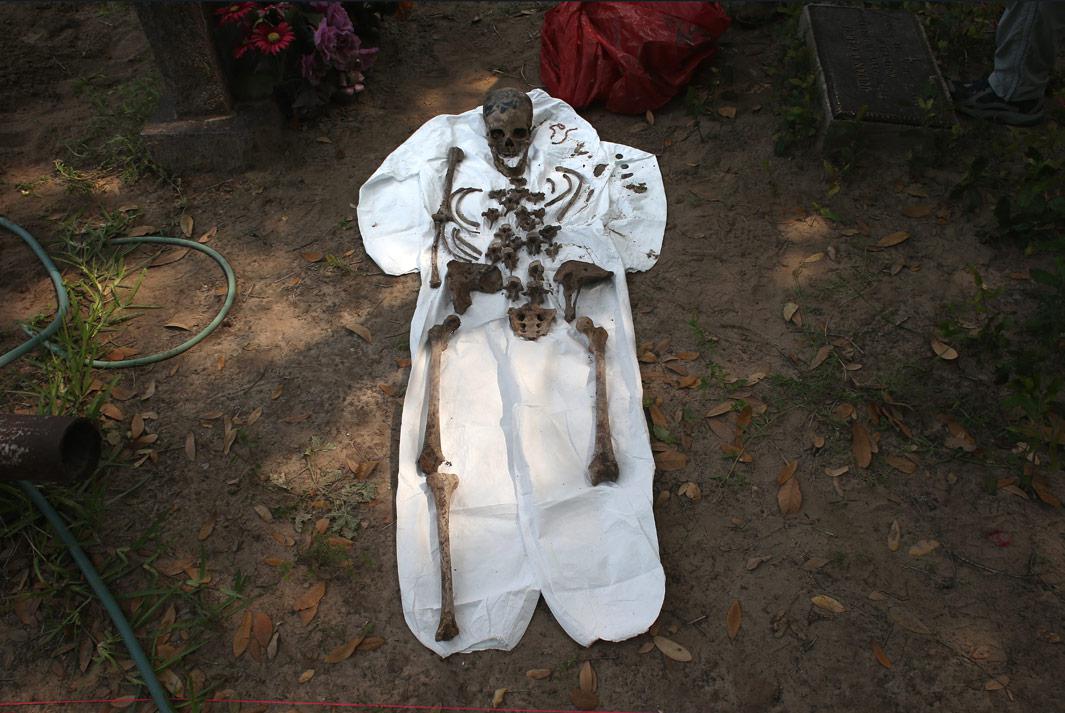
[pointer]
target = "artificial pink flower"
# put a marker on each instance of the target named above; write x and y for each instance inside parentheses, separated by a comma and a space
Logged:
(234, 12)
(271, 39)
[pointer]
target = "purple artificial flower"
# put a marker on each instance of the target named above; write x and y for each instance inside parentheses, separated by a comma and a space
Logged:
(312, 69)
(338, 17)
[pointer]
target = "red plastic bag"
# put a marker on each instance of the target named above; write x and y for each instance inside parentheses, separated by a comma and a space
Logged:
(634, 56)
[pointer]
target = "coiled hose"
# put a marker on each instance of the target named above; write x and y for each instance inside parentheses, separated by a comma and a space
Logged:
(156, 690)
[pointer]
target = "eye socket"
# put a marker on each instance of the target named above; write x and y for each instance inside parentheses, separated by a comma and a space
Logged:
(496, 133)
(520, 133)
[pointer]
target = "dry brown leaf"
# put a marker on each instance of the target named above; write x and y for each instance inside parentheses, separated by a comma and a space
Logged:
(688, 382)
(997, 683)
(658, 417)
(271, 648)
(721, 409)
(190, 446)
(923, 547)
(754, 562)
(344, 651)
(136, 426)
(728, 112)
(123, 702)
(791, 310)
(538, 674)
(254, 416)
(584, 700)
(149, 391)
(836, 472)
(169, 256)
(205, 529)
(894, 536)
(310, 598)
(787, 472)
(1045, 493)
(755, 377)
(944, 351)
(360, 330)
(264, 513)
(823, 601)
(186, 225)
(670, 461)
(891, 240)
(277, 392)
(671, 649)
(691, 491)
(120, 354)
(789, 497)
(921, 210)
(261, 628)
(646, 647)
(819, 358)
(112, 412)
(372, 643)
(243, 635)
(902, 463)
(816, 257)
(688, 356)
(498, 696)
(312, 256)
(221, 362)
(881, 657)
(588, 680)
(273, 561)
(861, 445)
(208, 236)
(723, 429)
(138, 231)
(734, 619)
(306, 675)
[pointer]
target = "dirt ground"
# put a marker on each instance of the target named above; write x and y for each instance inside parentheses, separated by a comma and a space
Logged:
(973, 625)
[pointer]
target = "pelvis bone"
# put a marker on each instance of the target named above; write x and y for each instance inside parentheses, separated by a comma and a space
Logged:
(465, 277)
(572, 276)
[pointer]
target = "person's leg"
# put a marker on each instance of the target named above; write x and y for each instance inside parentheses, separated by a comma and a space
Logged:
(1024, 58)
(1024, 49)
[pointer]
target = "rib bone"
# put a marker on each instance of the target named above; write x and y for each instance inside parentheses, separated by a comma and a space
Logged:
(432, 454)
(604, 467)
(442, 486)
(443, 216)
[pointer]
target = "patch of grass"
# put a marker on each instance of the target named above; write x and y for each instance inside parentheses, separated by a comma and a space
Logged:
(798, 115)
(324, 557)
(111, 140)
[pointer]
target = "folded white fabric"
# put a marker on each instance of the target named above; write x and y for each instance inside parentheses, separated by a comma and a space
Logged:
(518, 417)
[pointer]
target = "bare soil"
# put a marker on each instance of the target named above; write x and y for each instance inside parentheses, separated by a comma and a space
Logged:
(743, 239)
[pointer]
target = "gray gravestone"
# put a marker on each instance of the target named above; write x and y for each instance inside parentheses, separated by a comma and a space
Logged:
(876, 73)
(197, 127)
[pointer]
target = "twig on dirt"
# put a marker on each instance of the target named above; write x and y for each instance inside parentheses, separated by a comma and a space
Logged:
(242, 389)
(696, 620)
(990, 570)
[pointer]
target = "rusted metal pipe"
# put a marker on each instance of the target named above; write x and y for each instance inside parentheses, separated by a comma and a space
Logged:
(47, 448)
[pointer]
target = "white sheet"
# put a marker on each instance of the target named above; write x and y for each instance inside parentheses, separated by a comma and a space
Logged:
(518, 417)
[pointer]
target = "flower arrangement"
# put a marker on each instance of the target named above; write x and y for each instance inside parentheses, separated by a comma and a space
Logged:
(309, 53)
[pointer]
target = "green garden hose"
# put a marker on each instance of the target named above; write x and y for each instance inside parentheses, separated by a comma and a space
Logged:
(110, 604)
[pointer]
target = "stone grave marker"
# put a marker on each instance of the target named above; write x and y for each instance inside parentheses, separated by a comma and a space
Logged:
(876, 72)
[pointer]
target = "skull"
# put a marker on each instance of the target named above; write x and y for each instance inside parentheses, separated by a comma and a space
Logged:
(508, 115)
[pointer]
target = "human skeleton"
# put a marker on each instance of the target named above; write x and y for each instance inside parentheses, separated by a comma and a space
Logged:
(524, 249)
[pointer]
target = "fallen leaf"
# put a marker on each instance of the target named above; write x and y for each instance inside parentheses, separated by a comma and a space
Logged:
(208, 236)
(836, 472)
(138, 231)
(254, 416)
(588, 680)
(688, 382)
(891, 240)
(901, 463)
(1045, 493)
(818, 442)
(729, 112)
(923, 547)
(277, 392)
(649, 117)
(881, 657)
(149, 391)
(789, 497)
(816, 257)
(312, 256)
(997, 683)
(264, 513)
(734, 619)
(921, 210)
(688, 356)
(221, 362)
(112, 412)
(814, 563)
(186, 225)
(538, 674)
(823, 601)
(372, 643)
(169, 256)
(261, 628)
(243, 635)
(190, 446)
(787, 471)
(136, 426)
(205, 530)
(819, 358)
(670, 461)
(861, 445)
(790, 311)
(844, 411)
(721, 409)
(691, 491)
(271, 648)
(754, 562)
(658, 417)
(123, 702)
(310, 598)
(944, 351)
(360, 330)
(894, 536)
(306, 675)
(755, 377)
(646, 647)
(344, 651)
(584, 700)
(671, 649)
